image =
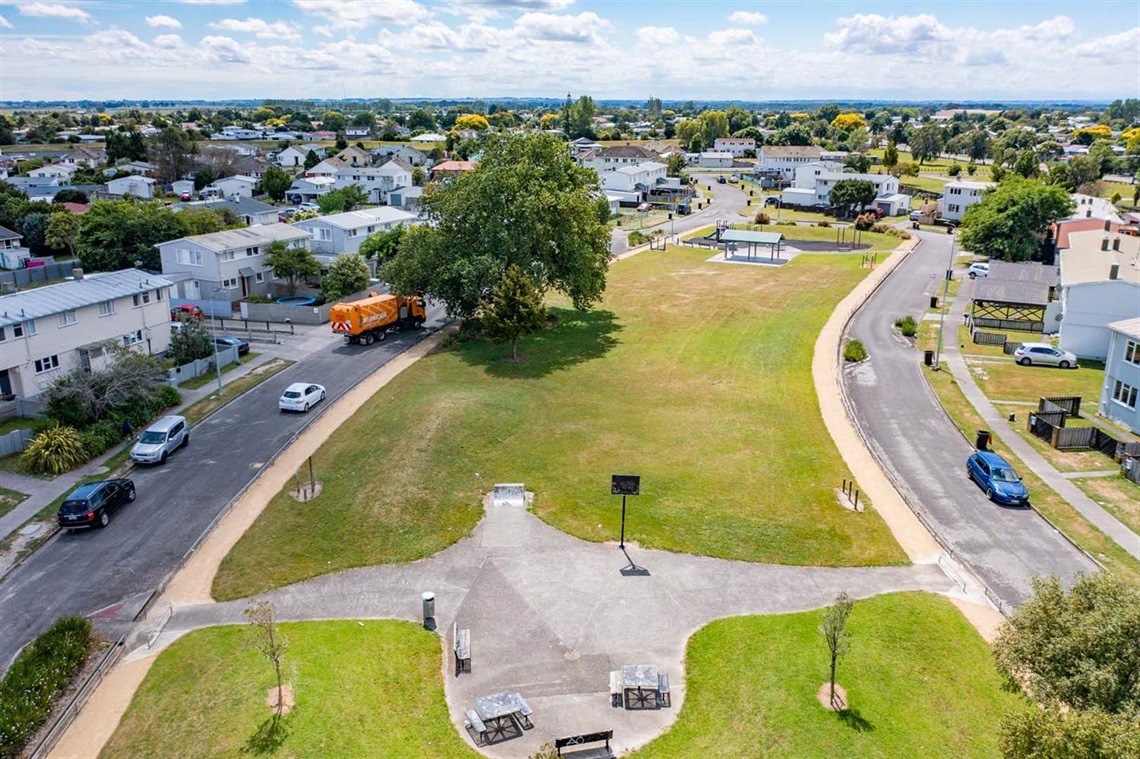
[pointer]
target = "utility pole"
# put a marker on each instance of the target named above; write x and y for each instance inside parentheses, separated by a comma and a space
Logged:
(942, 305)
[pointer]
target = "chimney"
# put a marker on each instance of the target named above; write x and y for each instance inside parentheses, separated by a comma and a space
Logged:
(1116, 243)
(1104, 244)
(1107, 225)
(77, 274)
(1088, 214)
(1114, 271)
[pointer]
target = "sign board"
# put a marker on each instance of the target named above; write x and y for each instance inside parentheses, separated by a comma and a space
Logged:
(509, 494)
(625, 484)
(578, 740)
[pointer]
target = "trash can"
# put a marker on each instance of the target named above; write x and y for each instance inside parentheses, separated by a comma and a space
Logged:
(934, 301)
(429, 607)
(983, 441)
(928, 358)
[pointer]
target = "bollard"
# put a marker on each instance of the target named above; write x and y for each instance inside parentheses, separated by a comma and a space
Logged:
(856, 500)
(429, 610)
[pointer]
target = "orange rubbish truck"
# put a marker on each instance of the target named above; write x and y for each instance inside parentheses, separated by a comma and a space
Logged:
(371, 319)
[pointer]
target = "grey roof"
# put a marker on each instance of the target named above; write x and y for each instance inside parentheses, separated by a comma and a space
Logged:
(1129, 327)
(361, 218)
(67, 296)
(7, 234)
(232, 239)
(239, 204)
(409, 192)
(1047, 275)
(748, 236)
(1011, 291)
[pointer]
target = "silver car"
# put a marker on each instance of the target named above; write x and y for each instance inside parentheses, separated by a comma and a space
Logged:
(1044, 354)
(161, 439)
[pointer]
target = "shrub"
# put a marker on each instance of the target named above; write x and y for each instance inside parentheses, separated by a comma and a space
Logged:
(823, 224)
(762, 218)
(257, 299)
(907, 325)
(854, 351)
(637, 238)
(55, 450)
(865, 221)
(36, 678)
(168, 396)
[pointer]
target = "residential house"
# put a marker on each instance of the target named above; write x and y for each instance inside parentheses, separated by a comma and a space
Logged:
(451, 169)
(407, 198)
(406, 153)
(1089, 207)
(1100, 284)
(182, 187)
(608, 159)
(631, 184)
(251, 166)
(377, 181)
(137, 167)
(135, 185)
(343, 232)
(308, 189)
(48, 331)
(326, 168)
(324, 135)
(822, 181)
(250, 211)
(738, 146)
(357, 133)
(958, 195)
(1118, 398)
(292, 157)
(583, 144)
(468, 134)
(781, 161)
(711, 159)
(355, 157)
(13, 254)
(60, 171)
(428, 138)
(92, 158)
(226, 265)
(229, 187)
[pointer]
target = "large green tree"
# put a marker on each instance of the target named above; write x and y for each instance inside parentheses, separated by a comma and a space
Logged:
(514, 309)
(115, 234)
(347, 274)
(527, 204)
(382, 245)
(850, 193)
(294, 265)
(1010, 221)
(927, 142)
(172, 152)
(275, 182)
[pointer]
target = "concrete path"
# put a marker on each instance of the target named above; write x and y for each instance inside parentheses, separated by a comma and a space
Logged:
(999, 424)
(551, 615)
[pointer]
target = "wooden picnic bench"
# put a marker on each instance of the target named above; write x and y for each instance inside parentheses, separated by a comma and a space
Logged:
(462, 648)
(663, 689)
(477, 725)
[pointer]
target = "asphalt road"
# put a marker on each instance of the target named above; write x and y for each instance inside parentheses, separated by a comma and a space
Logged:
(924, 453)
(110, 572)
(729, 199)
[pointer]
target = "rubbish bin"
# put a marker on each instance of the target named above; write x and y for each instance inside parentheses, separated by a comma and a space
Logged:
(983, 441)
(928, 358)
(934, 301)
(429, 607)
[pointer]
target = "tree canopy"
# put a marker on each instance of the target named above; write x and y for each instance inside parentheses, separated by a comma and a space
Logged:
(114, 234)
(1010, 221)
(852, 192)
(514, 309)
(526, 204)
(294, 265)
(347, 274)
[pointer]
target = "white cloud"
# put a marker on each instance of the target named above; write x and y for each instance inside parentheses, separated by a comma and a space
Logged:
(324, 30)
(354, 14)
(263, 29)
(874, 34)
(1118, 48)
(552, 27)
(436, 36)
(5, 23)
(224, 50)
(163, 21)
(54, 10)
(657, 36)
(168, 41)
(747, 18)
(733, 37)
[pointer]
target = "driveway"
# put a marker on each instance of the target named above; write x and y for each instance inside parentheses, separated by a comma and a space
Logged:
(925, 454)
(110, 573)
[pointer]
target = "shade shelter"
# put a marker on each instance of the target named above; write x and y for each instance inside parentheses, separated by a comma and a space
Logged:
(1009, 304)
(753, 242)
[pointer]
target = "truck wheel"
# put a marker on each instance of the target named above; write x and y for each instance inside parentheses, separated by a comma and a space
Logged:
(418, 324)
(369, 338)
(381, 335)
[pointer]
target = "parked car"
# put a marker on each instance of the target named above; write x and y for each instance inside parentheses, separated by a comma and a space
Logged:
(1027, 354)
(997, 478)
(185, 311)
(684, 209)
(184, 197)
(721, 180)
(161, 439)
(734, 178)
(90, 505)
(228, 341)
(301, 396)
(308, 206)
(978, 269)
(772, 200)
(915, 215)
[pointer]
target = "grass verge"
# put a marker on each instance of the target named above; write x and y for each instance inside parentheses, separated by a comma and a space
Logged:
(920, 681)
(204, 379)
(695, 375)
(368, 689)
(10, 499)
(198, 411)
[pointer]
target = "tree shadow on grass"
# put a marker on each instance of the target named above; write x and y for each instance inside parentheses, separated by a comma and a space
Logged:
(268, 737)
(574, 338)
(854, 720)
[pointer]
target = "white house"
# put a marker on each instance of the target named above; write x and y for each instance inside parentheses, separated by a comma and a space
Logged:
(959, 195)
(738, 146)
(343, 232)
(1100, 284)
(308, 189)
(1118, 398)
(404, 152)
(781, 161)
(608, 159)
(637, 179)
(136, 185)
(47, 331)
(427, 138)
(711, 159)
(292, 157)
(357, 132)
(229, 187)
(13, 254)
(252, 212)
(823, 181)
(182, 187)
(326, 168)
(226, 265)
(92, 158)
(376, 181)
(806, 174)
(61, 171)
(1089, 207)
(354, 156)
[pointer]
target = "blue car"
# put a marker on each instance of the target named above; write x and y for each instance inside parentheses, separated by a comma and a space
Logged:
(997, 478)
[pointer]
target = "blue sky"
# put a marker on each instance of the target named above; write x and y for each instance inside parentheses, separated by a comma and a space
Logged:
(747, 50)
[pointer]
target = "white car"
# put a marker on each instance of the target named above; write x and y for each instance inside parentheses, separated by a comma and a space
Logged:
(980, 269)
(301, 396)
(1028, 354)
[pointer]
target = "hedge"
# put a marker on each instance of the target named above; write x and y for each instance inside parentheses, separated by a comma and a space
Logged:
(39, 674)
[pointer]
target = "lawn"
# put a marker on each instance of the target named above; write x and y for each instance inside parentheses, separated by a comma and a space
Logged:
(1118, 495)
(920, 681)
(878, 242)
(22, 423)
(10, 499)
(1005, 380)
(362, 690)
(695, 375)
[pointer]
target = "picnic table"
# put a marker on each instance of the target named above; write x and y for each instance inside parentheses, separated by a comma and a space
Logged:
(640, 681)
(502, 707)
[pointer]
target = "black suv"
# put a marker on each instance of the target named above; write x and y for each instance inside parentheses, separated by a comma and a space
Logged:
(90, 505)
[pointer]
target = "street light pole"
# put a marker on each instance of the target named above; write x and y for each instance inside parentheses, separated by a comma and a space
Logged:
(942, 305)
(214, 336)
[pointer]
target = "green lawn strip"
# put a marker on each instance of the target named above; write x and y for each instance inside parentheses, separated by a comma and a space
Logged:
(198, 411)
(690, 373)
(10, 499)
(1063, 461)
(212, 376)
(22, 423)
(15, 465)
(1006, 380)
(878, 242)
(370, 689)
(1117, 494)
(920, 681)
(1125, 190)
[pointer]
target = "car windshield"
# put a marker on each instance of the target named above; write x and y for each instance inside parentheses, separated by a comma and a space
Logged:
(1003, 475)
(292, 394)
(74, 507)
(153, 438)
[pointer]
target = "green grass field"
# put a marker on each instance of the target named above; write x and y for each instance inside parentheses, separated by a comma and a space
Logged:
(370, 690)
(694, 375)
(920, 681)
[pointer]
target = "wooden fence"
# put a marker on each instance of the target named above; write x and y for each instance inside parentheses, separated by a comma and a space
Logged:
(989, 338)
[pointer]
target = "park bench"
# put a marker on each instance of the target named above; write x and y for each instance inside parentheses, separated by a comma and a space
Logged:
(477, 725)
(578, 740)
(524, 715)
(615, 688)
(462, 649)
(663, 689)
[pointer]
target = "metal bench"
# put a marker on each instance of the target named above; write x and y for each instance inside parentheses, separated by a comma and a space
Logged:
(615, 688)
(462, 639)
(578, 740)
(477, 725)
(663, 689)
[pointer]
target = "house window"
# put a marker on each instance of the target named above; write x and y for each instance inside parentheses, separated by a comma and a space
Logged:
(106, 308)
(952, 208)
(1131, 352)
(251, 251)
(132, 338)
(49, 363)
(1124, 394)
(259, 277)
(67, 318)
(324, 233)
(158, 295)
(228, 255)
(24, 328)
(188, 257)
(141, 299)
(230, 284)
